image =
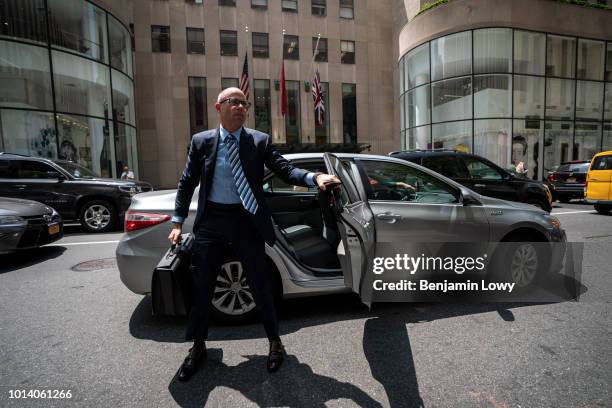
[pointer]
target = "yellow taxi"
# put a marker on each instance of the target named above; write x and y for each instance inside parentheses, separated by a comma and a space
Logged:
(598, 188)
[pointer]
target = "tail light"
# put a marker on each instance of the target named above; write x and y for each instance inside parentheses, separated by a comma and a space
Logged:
(135, 220)
(552, 177)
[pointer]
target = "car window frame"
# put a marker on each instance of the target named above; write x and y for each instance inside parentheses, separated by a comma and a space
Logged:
(596, 160)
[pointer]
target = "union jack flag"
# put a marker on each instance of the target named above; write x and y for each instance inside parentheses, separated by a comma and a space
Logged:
(317, 97)
(244, 78)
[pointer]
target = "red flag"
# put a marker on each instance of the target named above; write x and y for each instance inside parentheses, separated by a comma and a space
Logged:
(283, 90)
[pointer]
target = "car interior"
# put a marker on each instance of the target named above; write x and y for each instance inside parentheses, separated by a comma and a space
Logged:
(305, 222)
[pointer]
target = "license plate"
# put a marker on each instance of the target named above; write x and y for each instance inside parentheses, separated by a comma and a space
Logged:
(571, 180)
(54, 229)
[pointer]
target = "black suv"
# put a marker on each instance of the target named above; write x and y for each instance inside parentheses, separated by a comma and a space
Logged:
(481, 175)
(71, 189)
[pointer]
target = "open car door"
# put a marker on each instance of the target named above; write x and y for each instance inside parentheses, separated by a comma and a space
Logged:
(356, 227)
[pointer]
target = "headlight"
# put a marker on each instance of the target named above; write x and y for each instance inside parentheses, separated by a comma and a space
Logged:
(128, 189)
(555, 222)
(11, 219)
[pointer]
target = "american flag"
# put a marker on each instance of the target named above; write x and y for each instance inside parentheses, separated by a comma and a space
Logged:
(244, 78)
(317, 96)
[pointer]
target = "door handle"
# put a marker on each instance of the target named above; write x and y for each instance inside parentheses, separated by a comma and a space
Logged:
(480, 185)
(388, 217)
(21, 186)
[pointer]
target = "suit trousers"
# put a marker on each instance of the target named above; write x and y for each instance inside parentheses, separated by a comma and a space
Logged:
(224, 224)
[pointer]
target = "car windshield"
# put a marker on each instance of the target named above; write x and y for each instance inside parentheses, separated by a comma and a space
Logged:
(77, 170)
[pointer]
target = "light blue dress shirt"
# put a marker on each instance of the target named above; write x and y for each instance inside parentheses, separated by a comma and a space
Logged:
(223, 189)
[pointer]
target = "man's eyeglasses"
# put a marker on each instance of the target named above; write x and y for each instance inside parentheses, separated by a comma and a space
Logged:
(237, 102)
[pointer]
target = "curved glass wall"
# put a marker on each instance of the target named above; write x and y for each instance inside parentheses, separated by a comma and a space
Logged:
(509, 95)
(66, 84)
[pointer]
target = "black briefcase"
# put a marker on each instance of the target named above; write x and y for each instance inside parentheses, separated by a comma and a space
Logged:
(171, 285)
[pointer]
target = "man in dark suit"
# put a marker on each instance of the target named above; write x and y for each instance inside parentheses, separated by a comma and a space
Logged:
(228, 164)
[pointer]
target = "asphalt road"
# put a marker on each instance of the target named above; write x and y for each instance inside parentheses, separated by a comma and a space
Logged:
(68, 323)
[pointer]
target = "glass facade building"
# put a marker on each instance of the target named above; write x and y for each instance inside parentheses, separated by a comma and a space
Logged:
(509, 95)
(67, 82)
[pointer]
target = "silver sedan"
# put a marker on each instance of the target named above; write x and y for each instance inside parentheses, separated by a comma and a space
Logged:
(322, 250)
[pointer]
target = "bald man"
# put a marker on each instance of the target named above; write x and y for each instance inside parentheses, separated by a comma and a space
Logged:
(228, 164)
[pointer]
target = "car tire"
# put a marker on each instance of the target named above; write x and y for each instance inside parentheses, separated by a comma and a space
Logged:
(538, 203)
(520, 260)
(98, 216)
(232, 301)
(602, 209)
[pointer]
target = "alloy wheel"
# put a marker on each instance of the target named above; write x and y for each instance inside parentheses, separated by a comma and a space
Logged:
(232, 295)
(97, 217)
(524, 265)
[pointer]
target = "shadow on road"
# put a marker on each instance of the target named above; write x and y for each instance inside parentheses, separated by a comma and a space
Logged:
(27, 258)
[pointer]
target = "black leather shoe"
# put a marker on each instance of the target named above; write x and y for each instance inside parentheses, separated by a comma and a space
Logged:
(190, 365)
(276, 355)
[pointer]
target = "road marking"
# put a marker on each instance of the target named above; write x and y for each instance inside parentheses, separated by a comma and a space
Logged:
(84, 243)
(573, 212)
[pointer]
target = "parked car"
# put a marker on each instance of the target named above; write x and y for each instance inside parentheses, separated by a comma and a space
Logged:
(74, 191)
(598, 189)
(382, 199)
(26, 224)
(568, 180)
(481, 175)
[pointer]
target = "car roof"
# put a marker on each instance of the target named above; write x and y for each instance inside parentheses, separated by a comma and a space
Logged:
(305, 156)
(421, 153)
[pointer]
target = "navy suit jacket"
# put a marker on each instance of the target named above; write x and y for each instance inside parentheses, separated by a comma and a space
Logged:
(255, 150)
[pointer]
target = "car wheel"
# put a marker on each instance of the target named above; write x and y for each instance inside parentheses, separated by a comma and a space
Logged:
(538, 203)
(232, 300)
(602, 209)
(98, 216)
(521, 262)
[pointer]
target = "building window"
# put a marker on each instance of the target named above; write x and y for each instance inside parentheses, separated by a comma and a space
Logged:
(451, 56)
(291, 47)
(322, 130)
(289, 5)
(26, 78)
(347, 49)
(560, 56)
(229, 83)
(349, 113)
(78, 26)
(529, 52)
(120, 46)
(590, 60)
(263, 121)
(320, 52)
(346, 9)
(260, 45)
(160, 38)
(228, 3)
(492, 50)
(229, 43)
(292, 118)
(198, 116)
(261, 4)
(319, 8)
(195, 41)
(23, 19)
(608, 73)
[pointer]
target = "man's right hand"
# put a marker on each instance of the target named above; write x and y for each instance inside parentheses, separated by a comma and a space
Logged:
(175, 234)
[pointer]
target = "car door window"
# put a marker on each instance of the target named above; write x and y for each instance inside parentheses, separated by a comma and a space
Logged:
(28, 169)
(602, 163)
(276, 184)
(480, 170)
(448, 166)
(397, 182)
(4, 169)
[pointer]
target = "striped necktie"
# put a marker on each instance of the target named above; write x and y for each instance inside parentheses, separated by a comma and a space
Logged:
(242, 185)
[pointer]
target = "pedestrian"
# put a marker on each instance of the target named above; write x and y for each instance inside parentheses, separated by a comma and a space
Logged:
(228, 164)
(127, 173)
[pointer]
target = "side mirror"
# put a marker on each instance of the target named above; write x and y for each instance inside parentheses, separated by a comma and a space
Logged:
(467, 199)
(57, 175)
